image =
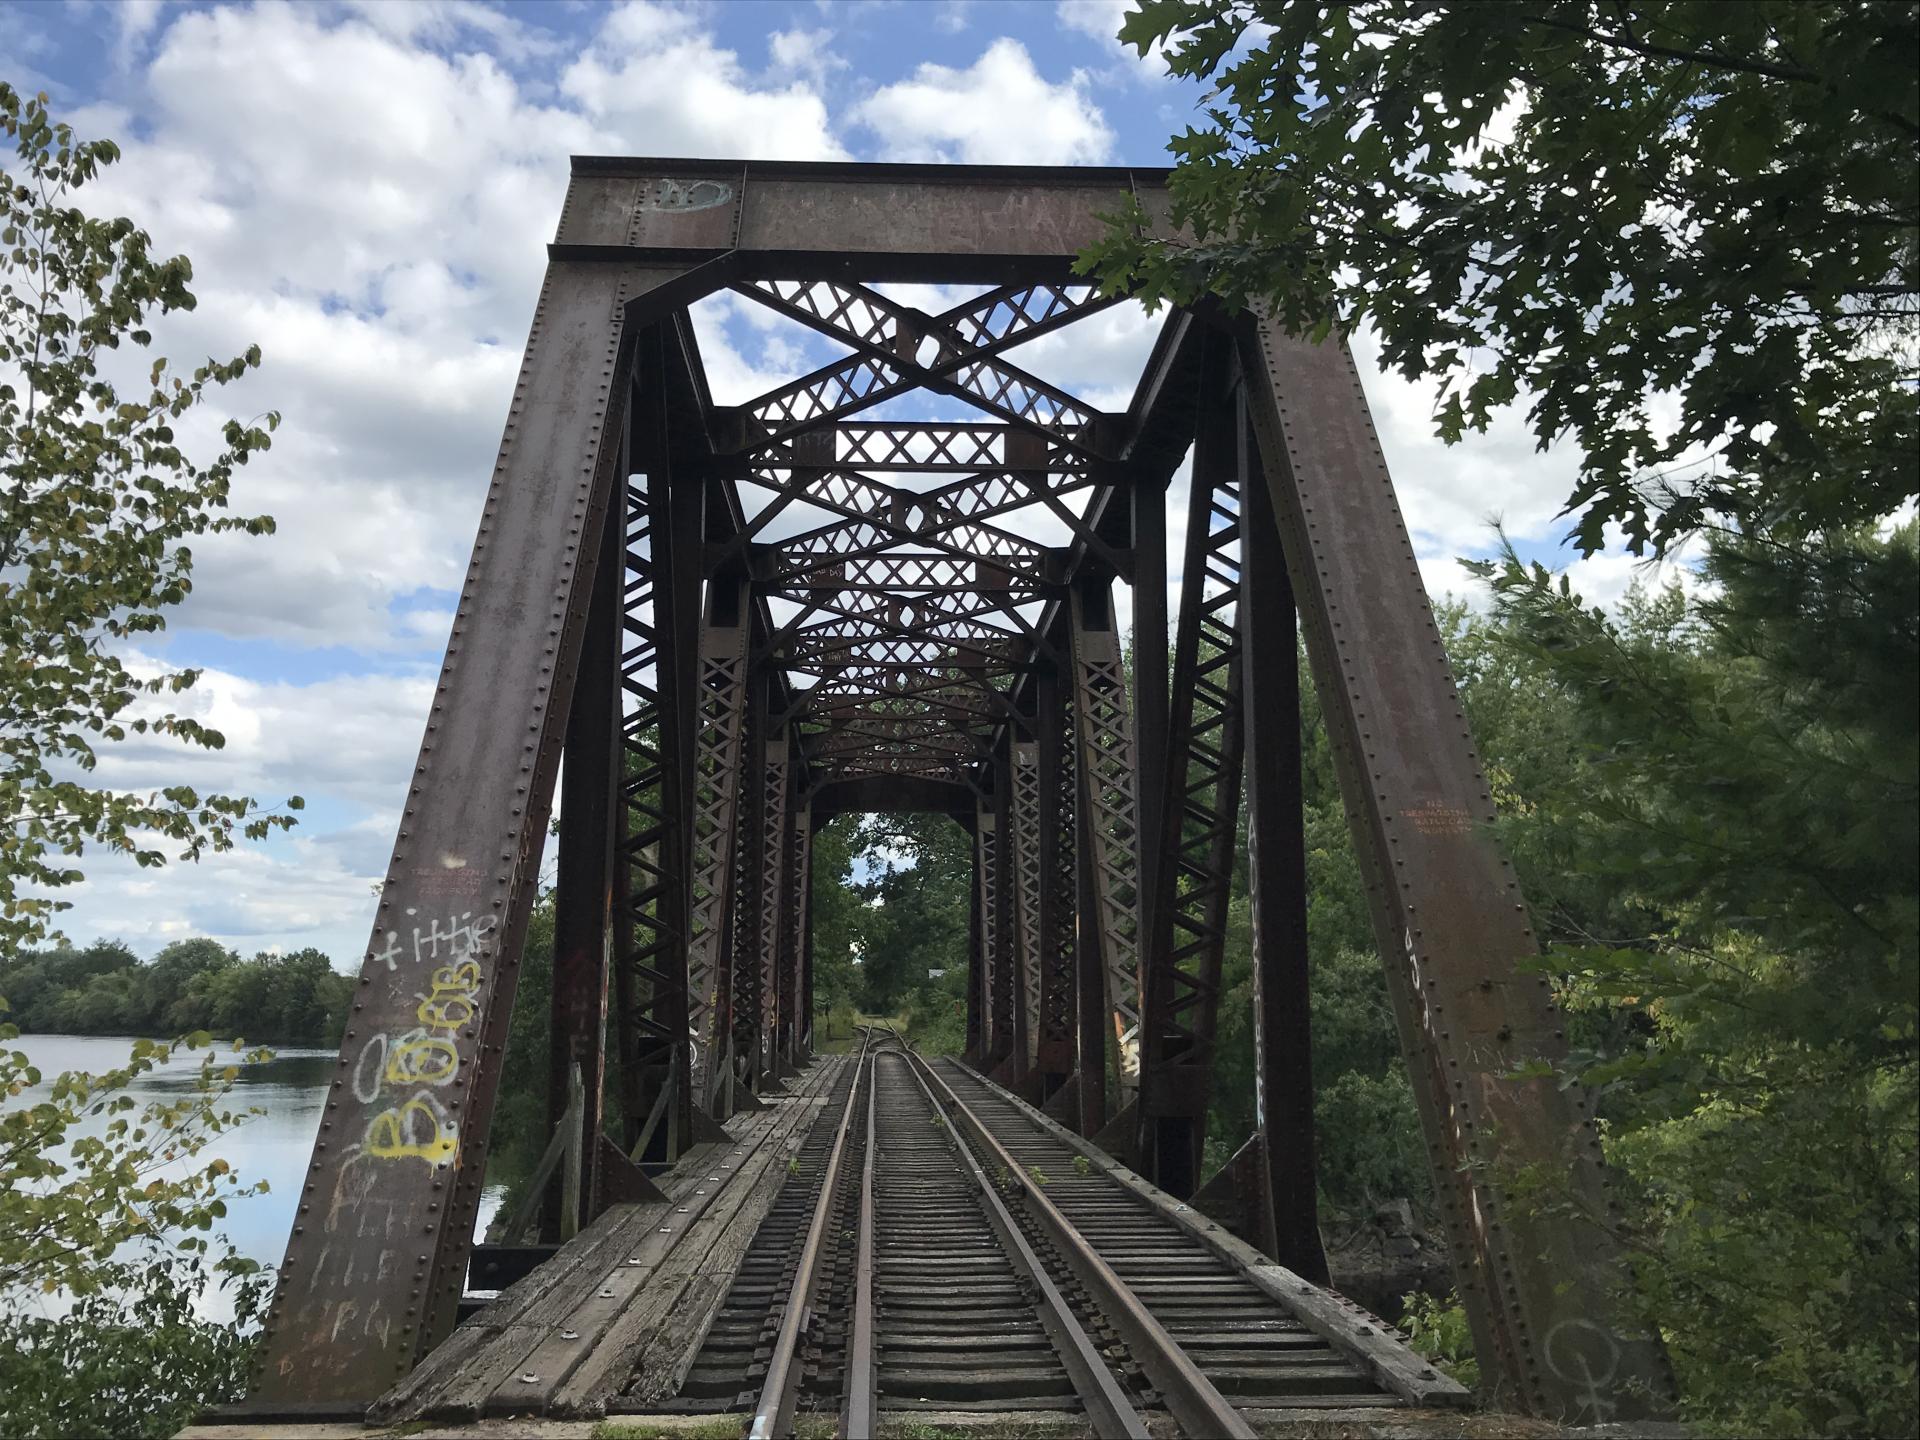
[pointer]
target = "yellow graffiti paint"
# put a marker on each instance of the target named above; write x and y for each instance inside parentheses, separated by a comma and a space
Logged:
(413, 1131)
(421, 1059)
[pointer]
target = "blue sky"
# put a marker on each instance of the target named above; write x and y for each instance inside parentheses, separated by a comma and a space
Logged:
(365, 191)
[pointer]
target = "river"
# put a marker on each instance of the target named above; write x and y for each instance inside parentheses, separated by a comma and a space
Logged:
(274, 1146)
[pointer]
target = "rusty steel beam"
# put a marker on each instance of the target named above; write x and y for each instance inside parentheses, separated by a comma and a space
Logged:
(1108, 777)
(583, 894)
(402, 1146)
(978, 1001)
(1194, 839)
(1277, 879)
(1054, 1046)
(995, 1018)
(1024, 808)
(654, 854)
(775, 782)
(936, 223)
(1541, 1290)
(793, 919)
(722, 708)
(747, 918)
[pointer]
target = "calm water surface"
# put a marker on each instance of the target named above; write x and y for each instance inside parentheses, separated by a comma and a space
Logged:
(274, 1146)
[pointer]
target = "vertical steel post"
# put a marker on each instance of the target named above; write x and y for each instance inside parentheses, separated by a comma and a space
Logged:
(1092, 1014)
(774, 842)
(722, 696)
(979, 975)
(994, 1036)
(583, 899)
(1053, 743)
(1277, 867)
(1540, 1288)
(806, 1013)
(1108, 791)
(788, 936)
(1148, 500)
(747, 918)
(1023, 804)
(1002, 913)
(1196, 838)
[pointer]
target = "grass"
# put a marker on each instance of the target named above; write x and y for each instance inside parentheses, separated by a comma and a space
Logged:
(839, 1035)
(716, 1427)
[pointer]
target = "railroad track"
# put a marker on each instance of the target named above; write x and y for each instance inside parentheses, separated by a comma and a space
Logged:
(939, 1248)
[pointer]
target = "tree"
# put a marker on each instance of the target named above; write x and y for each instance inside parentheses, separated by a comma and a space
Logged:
(109, 1204)
(1584, 205)
(1743, 788)
(918, 892)
(97, 500)
(834, 912)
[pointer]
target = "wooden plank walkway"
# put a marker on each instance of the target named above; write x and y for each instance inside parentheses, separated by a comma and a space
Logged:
(565, 1337)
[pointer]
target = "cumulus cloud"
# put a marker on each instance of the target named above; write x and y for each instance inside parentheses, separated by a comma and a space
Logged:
(1100, 20)
(347, 744)
(366, 190)
(998, 111)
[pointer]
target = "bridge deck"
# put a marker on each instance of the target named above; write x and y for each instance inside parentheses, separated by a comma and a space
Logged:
(960, 1253)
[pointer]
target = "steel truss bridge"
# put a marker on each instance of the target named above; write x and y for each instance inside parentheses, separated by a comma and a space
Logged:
(889, 586)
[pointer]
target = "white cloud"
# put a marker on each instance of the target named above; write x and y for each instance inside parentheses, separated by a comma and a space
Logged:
(1100, 20)
(805, 53)
(353, 738)
(134, 21)
(350, 740)
(998, 111)
(666, 88)
(1452, 494)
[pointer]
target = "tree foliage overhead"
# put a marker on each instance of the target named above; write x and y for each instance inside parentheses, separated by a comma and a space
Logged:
(98, 497)
(1580, 205)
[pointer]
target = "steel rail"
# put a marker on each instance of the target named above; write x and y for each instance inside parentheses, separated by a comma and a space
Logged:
(856, 1418)
(773, 1415)
(1192, 1398)
(1108, 1408)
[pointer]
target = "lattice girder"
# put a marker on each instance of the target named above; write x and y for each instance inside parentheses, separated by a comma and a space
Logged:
(1108, 777)
(889, 340)
(721, 716)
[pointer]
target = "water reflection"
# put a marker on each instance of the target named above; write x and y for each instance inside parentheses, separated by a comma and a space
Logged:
(289, 1090)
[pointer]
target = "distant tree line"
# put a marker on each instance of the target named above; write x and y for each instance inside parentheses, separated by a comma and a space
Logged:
(191, 985)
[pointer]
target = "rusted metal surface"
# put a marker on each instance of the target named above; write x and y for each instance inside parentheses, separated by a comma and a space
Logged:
(1054, 1049)
(952, 223)
(1109, 778)
(583, 899)
(1277, 882)
(914, 644)
(718, 746)
(1196, 836)
(377, 1258)
(1448, 914)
